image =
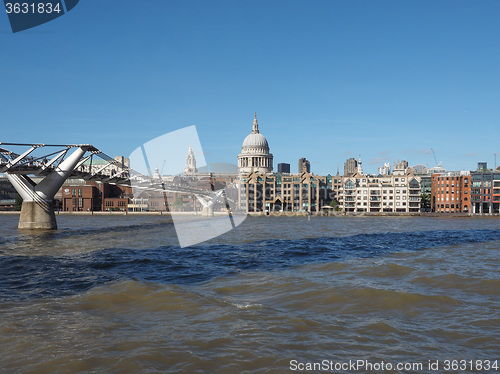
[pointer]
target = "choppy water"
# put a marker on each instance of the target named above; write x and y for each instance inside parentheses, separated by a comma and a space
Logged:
(116, 294)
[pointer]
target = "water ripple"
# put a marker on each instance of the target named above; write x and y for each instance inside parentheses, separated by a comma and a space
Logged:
(24, 276)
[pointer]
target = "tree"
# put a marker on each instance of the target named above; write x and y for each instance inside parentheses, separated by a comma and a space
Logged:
(18, 203)
(335, 204)
(425, 202)
(178, 202)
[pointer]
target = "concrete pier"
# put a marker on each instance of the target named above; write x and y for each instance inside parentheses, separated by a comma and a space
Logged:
(37, 211)
(208, 211)
(37, 215)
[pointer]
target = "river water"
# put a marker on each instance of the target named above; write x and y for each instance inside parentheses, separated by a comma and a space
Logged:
(116, 294)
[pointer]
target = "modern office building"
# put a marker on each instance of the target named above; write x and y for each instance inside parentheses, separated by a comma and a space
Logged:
(482, 166)
(485, 191)
(384, 170)
(284, 168)
(304, 166)
(350, 167)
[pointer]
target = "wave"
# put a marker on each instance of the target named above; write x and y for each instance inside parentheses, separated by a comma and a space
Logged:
(24, 276)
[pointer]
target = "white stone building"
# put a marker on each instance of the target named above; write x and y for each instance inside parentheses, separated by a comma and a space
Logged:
(388, 193)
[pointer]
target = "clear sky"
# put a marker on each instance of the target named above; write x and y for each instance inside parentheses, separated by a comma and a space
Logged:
(329, 80)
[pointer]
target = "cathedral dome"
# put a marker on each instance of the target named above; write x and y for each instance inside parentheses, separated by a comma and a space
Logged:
(255, 140)
(255, 154)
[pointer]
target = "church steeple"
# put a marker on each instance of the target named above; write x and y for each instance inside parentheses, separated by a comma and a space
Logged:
(190, 163)
(255, 129)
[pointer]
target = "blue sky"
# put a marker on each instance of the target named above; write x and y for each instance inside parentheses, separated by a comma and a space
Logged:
(329, 80)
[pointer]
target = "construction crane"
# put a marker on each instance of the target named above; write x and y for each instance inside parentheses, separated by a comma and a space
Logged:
(163, 167)
(435, 159)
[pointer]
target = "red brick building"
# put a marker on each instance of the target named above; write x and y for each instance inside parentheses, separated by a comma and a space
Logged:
(95, 197)
(450, 192)
(80, 198)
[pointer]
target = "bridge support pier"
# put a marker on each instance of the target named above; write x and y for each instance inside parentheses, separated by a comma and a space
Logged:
(37, 215)
(37, 211)
(208, 203)
(208, 211)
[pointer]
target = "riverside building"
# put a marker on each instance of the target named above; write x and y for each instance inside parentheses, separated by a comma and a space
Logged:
(485, 190)
(261, 190)
(451, 192)
(307, 192)
(361, 193)
(304, 192)
(398, 192)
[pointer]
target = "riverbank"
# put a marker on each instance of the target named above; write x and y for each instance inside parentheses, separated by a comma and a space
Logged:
(370, 214)
(277, 214)
(119, 213)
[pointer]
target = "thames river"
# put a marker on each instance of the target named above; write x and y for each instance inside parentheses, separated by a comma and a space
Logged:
(116, 294)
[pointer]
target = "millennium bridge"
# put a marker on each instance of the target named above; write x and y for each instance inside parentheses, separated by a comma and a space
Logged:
(54, 163)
